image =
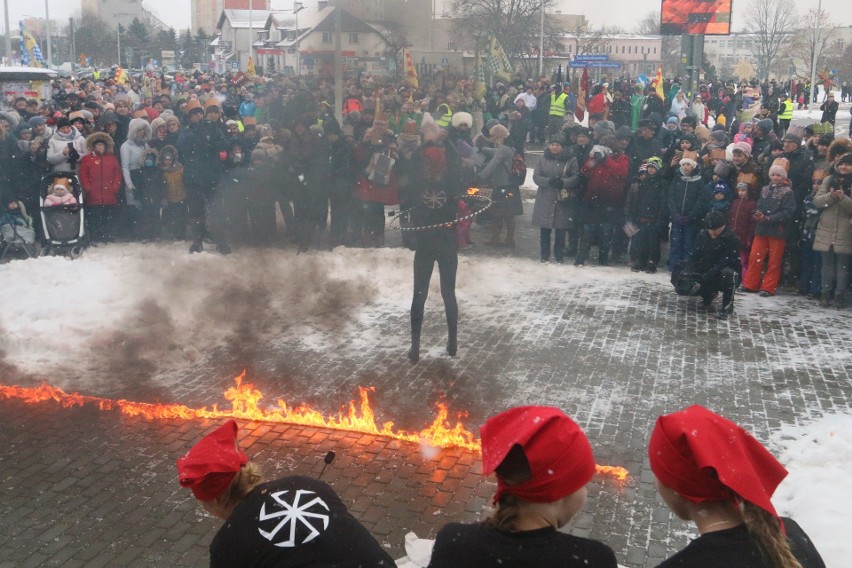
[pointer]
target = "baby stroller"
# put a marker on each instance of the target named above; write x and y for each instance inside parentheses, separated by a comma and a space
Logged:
(64, 224)
(16, 231)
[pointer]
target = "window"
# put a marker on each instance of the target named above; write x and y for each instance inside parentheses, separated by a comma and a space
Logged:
(327, 38)
(353, 38)
(451, 47)
(655, 50)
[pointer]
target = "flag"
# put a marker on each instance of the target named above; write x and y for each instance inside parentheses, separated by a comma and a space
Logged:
(410, 71)
(657, 83)
(30, 49)
(582, 96)
(478, 76)
(497, 61)
(250, 71)
(120, 75)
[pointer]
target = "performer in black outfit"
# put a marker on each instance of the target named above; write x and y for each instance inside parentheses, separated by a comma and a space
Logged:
(431, 229)
(715, 474)
(290, 522)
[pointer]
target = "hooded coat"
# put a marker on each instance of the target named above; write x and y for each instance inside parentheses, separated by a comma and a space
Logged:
(100, 176)
(57, 144)
(835, 222)
(548, 211)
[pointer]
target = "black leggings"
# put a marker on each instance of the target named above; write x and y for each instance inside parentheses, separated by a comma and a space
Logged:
(424, 263)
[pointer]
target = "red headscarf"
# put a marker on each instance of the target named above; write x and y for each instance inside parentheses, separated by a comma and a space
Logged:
(210, 465)
(705, 457)
(558, 452)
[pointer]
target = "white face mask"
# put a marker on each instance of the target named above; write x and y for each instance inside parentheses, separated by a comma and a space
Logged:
(238, 157)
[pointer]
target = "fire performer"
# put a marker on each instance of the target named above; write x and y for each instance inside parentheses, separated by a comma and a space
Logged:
(543, 462)
(715, 474)
(434, 189)
(292, 521)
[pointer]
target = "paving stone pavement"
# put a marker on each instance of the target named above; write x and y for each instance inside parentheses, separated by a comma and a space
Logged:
(84, 487)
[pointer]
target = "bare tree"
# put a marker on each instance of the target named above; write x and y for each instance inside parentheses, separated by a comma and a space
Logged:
(515, 24)
(773, 23)
(669, 45)
(813, 39)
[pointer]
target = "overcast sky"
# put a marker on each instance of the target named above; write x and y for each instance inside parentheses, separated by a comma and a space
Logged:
(623, 13)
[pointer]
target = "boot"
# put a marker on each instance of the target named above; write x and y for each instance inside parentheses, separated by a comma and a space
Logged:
(452, 335)
(510, 232)
(651, 268)
(197, 246)
(496, 229)
(839, 301)
(603, 258)
(414, 352)
(825, 300)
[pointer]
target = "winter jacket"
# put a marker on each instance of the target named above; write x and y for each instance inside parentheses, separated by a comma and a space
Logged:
(548, 211)
(646, 201)
(199, 147)
(751, 174)
(687, 200)
(133, 155)
(498, 169)
(778, 203)
(100, 177)
(436, 191)
(834, 231)
(800, 174)
(57, 144)
(741, 220)
(65, 199)
(605, 182)
(709, 254)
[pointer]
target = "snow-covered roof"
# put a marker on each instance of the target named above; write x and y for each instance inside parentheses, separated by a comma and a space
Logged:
(240, 18)
(281, 20)
(10, 72)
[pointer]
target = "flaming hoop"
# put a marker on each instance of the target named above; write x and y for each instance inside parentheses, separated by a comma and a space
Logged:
(245, 405)
(471, 196)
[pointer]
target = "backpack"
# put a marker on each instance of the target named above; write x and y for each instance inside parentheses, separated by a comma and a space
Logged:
(518, 172)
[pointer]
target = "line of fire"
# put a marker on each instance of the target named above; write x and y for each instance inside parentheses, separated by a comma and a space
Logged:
(245, 400)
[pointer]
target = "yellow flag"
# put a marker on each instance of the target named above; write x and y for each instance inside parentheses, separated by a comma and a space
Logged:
(410, 71)
(658, 83)
(251, 72)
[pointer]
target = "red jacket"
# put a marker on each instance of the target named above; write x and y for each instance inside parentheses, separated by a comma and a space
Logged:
(100, 177)
(741, 221)
(606, 181)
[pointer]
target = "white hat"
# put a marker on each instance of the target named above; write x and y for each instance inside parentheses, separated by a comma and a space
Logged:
(462, 119)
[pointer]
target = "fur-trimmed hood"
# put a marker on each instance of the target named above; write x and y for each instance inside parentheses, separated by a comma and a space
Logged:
(135, 126)
(839, 147)
(100, 137)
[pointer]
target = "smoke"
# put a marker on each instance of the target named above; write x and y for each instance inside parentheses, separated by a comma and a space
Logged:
(134, 315)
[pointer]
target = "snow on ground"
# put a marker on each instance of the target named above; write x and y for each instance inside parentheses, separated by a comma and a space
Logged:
(76, 321)
(818, 491)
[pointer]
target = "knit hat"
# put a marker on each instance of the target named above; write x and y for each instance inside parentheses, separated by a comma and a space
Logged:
(792, 137)
(558, 453)
(715, 219)
(765, 125)
(36, 120)
(462, 119)
(604, 128)
(845, 159)
(723, 168)
(655, 162)
(705, 457)
(672, 120)
(77, 115)
(210, 466)
(684, 161)
(702, 133)
(742, 147)
(430, 129)
(776, 169)
(623, 132)
(499, 131)
(719, 137)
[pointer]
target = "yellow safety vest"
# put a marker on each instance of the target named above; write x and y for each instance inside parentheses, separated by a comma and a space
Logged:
(557, 104)
(446, 117)
(788, 111)
(96, 75)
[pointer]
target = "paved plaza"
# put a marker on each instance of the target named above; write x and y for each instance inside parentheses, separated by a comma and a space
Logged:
(88, 487)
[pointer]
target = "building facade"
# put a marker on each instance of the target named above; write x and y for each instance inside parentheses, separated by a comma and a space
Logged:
(205, 13)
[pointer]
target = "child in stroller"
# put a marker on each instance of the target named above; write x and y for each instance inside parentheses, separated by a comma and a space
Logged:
(16, 229)
(60, 194)
(62, 214)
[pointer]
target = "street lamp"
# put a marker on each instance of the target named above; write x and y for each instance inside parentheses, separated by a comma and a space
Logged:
(298, 7)
(47, 33)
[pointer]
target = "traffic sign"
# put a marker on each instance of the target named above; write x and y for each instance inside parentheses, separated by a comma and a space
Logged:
(235, 66)
(225, 45)
(596, 64)
(445, 62)
(588, 58)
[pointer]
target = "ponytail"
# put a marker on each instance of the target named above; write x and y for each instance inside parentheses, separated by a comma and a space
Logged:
(507, 512)
(765, 528)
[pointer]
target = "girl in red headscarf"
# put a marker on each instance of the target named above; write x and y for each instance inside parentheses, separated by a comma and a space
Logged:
(543, 462)
(715, 474)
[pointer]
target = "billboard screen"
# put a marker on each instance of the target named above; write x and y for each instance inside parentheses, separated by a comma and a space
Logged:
(708, 17)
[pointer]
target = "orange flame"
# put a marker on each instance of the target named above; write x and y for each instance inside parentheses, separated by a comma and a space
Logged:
(245, 399)
(473, 191)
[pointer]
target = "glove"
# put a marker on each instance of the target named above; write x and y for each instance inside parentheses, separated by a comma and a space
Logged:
(556, 182)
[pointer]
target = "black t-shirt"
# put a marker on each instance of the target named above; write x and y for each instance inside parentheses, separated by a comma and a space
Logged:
(483, 546)
(294, 522)
(735, 547)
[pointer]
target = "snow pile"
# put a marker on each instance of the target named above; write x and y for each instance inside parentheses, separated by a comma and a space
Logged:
(818, 491)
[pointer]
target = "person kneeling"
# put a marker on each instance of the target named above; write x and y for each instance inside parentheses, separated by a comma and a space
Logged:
(713, 265)
(292, 521)
(543, 462)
